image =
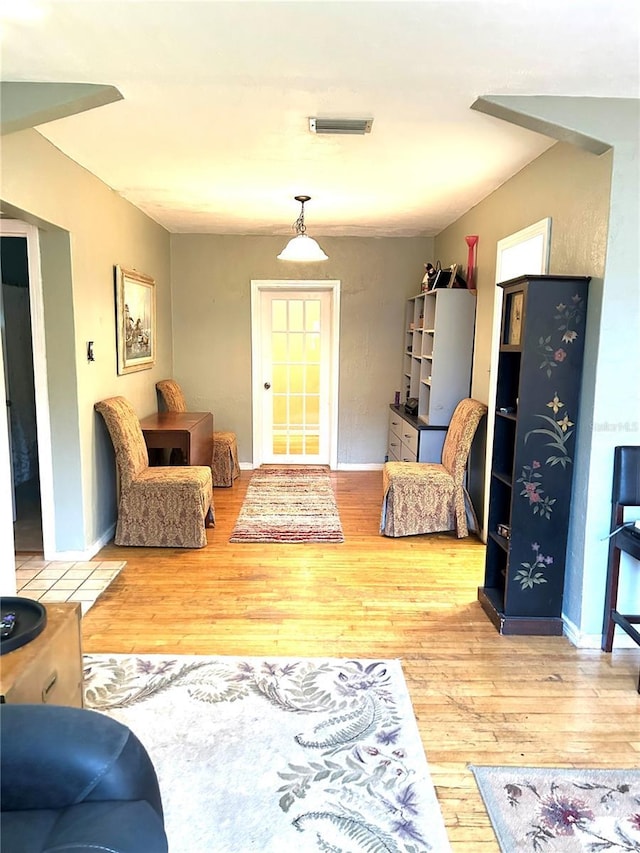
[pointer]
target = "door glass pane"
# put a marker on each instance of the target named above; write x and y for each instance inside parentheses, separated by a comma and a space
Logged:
(296, 315)
(312, 319)
(312, 445)
(312, 411)
(296, 444)
(296, 404)
(279, 346)
(279, 411)
(279, 315)
(312, 372)
(279, 382)
(313, 348)
(296, 347)
(296, 379)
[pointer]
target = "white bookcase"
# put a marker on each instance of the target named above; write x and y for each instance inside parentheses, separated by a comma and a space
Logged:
(438, 352)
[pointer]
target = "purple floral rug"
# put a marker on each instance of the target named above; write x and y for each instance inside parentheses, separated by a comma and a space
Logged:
(552, 809)
(277, 754)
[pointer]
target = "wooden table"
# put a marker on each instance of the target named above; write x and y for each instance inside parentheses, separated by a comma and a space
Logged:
(190, 432)
(48, 669)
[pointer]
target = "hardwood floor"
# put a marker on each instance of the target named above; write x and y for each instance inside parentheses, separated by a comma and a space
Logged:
(478, 697)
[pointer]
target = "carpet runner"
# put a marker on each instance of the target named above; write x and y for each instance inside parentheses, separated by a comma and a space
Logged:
(289, 505)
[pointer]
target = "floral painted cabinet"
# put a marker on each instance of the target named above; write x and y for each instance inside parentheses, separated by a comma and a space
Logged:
(536, 418)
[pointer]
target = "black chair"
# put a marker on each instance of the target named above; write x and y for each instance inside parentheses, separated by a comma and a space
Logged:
(626, 492)
(75, 780)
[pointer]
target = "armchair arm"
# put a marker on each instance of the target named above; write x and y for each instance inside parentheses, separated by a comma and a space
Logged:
(53, 756)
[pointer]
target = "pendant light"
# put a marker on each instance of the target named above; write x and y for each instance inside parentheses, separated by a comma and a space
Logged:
(302, 247)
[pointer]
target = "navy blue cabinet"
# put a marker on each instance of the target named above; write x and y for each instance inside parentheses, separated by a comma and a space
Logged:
(536, 419)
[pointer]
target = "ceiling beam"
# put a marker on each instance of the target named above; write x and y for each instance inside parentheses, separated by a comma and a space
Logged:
(25, 105)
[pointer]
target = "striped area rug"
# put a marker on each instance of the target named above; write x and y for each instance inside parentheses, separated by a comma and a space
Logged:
(285, 504)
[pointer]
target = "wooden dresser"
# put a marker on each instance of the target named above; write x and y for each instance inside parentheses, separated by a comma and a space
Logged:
(49, 668)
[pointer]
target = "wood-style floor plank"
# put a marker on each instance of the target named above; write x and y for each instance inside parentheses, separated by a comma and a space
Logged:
(479, 698)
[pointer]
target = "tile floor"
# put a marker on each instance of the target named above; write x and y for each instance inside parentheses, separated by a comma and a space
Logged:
(45, 580)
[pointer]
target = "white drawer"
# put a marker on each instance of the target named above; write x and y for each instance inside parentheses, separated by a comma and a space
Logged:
(395, 425)
(409, 436)
(394, 446)
(407, 454)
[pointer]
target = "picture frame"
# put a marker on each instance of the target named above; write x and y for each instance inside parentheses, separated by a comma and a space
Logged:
(513, 324)
(135, 320)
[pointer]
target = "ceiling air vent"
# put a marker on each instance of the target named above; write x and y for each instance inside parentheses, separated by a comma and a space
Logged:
(352, 126)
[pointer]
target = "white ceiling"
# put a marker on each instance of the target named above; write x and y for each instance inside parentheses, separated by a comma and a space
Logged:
(212, 134)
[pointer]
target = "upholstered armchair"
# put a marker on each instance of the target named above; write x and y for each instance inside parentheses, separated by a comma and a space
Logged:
(73, 779)
(429, 497)
(164, 507)
(224, 464)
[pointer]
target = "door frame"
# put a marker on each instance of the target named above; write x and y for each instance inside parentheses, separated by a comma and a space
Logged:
(16, 228)
(258, 286)
(524, 253)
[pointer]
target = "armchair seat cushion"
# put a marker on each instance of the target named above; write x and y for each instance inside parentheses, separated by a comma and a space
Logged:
(125, 827)
(75, 780)
(419, 498)
(164, 507)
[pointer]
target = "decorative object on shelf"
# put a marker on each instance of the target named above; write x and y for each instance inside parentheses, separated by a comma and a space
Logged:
(514, 311)
(537, 400)
(135, 320)
(302, 247)
(430, 273)
(472, 243)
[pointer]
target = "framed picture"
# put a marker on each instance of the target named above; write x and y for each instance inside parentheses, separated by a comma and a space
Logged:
(135, 320)
(513, 325)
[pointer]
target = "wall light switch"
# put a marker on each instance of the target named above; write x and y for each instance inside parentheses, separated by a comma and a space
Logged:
(90, 355)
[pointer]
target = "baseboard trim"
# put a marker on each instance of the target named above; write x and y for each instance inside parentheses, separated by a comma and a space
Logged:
(581, 640)
(88, 553)
(360, 466)
(342, 466)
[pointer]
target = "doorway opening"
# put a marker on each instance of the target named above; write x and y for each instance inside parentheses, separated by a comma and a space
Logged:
(17, 353)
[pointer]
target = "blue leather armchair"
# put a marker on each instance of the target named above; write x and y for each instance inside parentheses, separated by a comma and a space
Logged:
(75, 780)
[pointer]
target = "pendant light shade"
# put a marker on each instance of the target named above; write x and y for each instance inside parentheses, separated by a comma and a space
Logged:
(301, 247)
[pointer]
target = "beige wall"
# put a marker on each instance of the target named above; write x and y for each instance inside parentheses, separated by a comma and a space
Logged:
(212, 327)
(45, 188)
(567, 184)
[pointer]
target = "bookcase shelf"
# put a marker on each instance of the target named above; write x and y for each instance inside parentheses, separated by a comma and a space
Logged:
(535, 422)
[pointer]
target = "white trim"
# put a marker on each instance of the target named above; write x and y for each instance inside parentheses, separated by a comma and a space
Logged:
(259, 285)
(15, 228)
(581, 640)
(89, 552)
(7, 550)
(360, 466)
(512, 260)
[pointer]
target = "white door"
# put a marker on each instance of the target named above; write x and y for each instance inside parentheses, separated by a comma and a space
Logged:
(295, 372)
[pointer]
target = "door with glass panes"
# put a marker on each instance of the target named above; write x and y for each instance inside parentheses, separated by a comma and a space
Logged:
(293, 382)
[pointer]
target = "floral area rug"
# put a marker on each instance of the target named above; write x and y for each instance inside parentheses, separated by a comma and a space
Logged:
(277, 755)
(289, 505)
(550, 809)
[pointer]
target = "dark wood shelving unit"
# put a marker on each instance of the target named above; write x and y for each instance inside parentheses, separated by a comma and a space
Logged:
(537, 400)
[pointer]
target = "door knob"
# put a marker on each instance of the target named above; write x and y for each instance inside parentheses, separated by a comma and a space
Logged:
(267, 385)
